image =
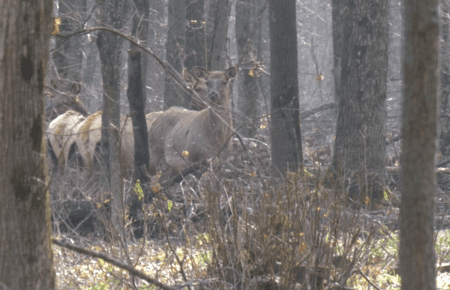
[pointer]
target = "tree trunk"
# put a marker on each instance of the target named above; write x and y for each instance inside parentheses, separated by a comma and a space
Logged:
(26, 257)
(338, 11)
(359, 148)
(67, 56)
(90, 61)
(285, 124)
(419, 131)
(137, 99)
(247, 101)
(156, 41)
(175, 42)
(444, 121)
(195, 34)
(109, 47)
(263, 47)
(217, 29)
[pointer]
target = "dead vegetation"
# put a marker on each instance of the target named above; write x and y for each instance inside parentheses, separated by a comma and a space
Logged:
(236, 228)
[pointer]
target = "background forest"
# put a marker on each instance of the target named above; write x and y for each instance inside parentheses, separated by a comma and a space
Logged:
(220, 144)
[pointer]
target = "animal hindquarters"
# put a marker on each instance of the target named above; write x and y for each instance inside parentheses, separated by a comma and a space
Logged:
(61, 135)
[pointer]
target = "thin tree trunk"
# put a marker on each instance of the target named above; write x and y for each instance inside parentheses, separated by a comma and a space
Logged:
(218, 16)
(175, 42)
(110, 46)
(247, 100)
(285, 124)
(90, 60)
(195, 42)
(26, 260)
(137, 99)
(68, 56)
(195, 34)
(419, 131)
(359, 148)
(156, 41)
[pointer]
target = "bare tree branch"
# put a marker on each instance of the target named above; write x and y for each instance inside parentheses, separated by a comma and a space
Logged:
(121, 265)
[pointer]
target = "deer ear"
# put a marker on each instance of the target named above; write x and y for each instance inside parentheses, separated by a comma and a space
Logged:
(200, 73)
(187, 77)
(230, 73)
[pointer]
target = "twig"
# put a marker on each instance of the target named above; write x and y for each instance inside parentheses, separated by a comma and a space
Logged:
(180, 263)
(113, 262)
(368, 280)
(81, 26)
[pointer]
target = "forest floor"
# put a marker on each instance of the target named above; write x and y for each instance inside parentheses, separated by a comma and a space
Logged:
(195, 245)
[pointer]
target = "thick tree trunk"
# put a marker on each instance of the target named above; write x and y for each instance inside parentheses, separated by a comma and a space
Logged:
(419, 131)
(444, 121)
(110, 47)
(285, 124)
(175, 42)
(25, 252)
(217, 29)
(247, 100)
(338, 10)
(359, 148)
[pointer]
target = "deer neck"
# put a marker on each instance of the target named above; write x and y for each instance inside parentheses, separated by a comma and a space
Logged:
(219, 123)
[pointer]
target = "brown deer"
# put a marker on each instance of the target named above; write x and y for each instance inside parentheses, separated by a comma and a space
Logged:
(72, 135)
(88, 137)
(180, 137)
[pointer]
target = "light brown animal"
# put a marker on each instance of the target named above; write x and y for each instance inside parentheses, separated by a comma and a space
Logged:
(181, 137)
(71, 135)
(89, 137)
(60, 136)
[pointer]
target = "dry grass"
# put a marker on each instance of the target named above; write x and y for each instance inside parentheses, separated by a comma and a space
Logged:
(237, 229)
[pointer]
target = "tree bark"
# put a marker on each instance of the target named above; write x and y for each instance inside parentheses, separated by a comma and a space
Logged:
(110, 46)
(175, 42)
(195, 34)
(67, 56)
(26, 260)
(419, 131)
(247, 100)
(137, 99)
(338, 18)
(444, 121)
(217, 29)
(285, 132)
(359, 148)
(156, 41)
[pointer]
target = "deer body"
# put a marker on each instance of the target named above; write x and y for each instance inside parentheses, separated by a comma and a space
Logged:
(181, 137)
(71, 133)
(89, 137)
